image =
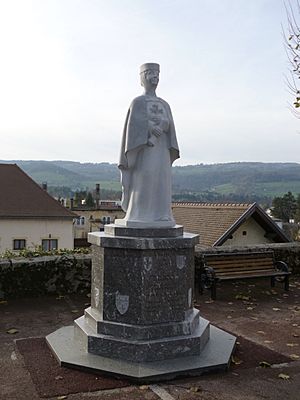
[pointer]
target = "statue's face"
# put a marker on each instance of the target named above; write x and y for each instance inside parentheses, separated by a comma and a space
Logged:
(150, 79)
(152, 76)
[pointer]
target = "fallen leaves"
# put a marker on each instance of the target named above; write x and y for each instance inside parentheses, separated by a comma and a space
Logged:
(242, 297)
(236, 361)
(264, 364)
(195, 389)
(12, 331)
(284, 376)
(60, 297)
(267, 292)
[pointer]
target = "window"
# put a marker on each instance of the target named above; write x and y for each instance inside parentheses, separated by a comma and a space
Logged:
(19, 244)
(106, 220)
(244, 233)
(80, 220)
(49, 244)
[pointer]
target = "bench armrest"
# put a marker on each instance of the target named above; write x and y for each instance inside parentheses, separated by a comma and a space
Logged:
(208, 277)
(281, 266)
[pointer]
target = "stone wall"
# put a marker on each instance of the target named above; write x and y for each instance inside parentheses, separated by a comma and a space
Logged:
(45, 275)
(69, 274)
(287, 252)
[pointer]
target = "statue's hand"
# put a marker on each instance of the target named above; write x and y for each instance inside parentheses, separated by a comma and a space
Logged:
(156, 131)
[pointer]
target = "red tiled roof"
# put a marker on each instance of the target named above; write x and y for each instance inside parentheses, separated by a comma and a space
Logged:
(21, 197)
(210, 221)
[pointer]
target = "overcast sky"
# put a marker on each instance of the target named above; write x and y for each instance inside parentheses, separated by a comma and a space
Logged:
(69, 70)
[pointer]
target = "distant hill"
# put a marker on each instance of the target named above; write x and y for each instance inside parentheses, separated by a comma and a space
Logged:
(252, 178)
(75, 175)
(231, 181)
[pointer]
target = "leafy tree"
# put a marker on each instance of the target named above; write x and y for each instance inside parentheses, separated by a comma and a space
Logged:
(79, 196)
(284, 207)
(297, 214)
(89, 201)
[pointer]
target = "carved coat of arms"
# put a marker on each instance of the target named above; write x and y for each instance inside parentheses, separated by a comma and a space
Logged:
(122, 303)
(147, 263)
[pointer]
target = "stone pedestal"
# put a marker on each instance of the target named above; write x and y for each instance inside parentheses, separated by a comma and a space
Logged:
(141, 323)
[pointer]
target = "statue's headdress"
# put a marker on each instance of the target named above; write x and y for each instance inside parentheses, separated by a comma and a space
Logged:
(147, 66)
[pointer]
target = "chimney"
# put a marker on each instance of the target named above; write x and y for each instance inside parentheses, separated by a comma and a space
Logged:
(72, 203)
(97, 195)
(45, 186)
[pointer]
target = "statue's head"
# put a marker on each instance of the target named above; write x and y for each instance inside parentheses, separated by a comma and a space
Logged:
(149, 74)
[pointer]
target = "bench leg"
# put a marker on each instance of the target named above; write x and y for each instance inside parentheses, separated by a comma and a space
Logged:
(287, 283)
(213, 290)
(197, 281)
(273, 281)
(200, 287)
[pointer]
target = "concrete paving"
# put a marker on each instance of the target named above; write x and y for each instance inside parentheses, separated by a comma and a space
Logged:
(269, 317)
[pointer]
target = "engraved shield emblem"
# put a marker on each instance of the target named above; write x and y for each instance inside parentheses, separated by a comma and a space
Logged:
(147, 263)
(180, 261)
(122, 303)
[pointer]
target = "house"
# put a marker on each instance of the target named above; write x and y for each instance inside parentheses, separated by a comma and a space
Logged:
(29, 216)
(91, 219)
(228, 224)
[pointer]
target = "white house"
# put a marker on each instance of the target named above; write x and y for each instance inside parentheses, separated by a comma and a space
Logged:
(29, 216)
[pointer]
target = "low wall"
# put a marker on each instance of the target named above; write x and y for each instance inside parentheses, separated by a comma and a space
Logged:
(287, 252)
(72, 273)
(43, 275)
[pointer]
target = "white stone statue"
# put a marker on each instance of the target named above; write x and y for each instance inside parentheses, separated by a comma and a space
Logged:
(149, 147)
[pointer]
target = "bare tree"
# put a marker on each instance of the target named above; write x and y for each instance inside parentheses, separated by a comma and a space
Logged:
(292, 44)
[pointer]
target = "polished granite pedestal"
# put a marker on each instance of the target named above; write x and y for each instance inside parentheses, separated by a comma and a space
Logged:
(141, 323)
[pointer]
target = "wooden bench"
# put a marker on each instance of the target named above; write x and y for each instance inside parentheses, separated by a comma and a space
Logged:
(230, 266)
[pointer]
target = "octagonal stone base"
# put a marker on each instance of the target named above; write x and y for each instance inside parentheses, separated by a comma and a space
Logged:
(142, 323)
(72, 353)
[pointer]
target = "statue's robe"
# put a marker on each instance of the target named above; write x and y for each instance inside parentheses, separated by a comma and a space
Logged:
(146, 170)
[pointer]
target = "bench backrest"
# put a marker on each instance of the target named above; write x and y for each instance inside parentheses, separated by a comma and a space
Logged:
(239, 263)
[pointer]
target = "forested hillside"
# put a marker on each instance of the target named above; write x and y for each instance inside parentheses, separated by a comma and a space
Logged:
(243, 181)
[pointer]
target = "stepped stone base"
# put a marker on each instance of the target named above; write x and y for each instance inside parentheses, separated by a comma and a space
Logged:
(72, 353)
(142, 323)
(142, 350)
